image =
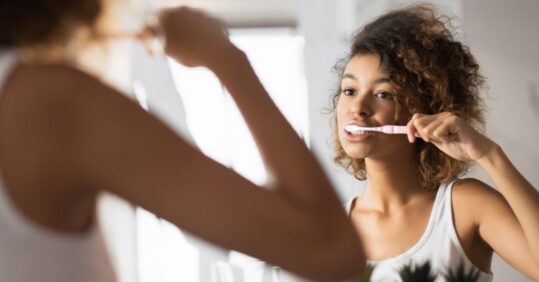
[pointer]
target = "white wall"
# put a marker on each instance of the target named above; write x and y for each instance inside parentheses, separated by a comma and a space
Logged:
(512, 123)
(504, 38)
(325, 26)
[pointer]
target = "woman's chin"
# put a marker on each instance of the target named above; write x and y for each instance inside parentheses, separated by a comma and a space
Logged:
(355, 154)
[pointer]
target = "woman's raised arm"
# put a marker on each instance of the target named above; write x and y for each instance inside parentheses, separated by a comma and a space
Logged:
(300, 226)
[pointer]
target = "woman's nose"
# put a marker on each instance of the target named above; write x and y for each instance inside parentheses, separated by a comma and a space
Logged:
(361, 106)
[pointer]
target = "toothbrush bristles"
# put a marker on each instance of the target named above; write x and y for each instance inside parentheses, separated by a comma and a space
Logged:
(388, 129)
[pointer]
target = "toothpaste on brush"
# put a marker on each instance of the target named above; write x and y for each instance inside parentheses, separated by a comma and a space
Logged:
(388, 129)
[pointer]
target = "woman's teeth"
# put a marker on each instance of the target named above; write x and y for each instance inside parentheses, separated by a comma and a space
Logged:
(358, 132)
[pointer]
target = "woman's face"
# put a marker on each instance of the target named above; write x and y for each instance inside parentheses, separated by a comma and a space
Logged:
(368, 99)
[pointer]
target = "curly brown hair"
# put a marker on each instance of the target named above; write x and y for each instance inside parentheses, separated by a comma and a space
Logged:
(41, 22)
(432, 72)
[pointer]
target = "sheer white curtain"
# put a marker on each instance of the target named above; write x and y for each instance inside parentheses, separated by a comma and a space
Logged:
(165, 253)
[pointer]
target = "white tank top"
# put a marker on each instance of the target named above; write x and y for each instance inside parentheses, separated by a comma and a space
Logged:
(30, 252)
(439, 245)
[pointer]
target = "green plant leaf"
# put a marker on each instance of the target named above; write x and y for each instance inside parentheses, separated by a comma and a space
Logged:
(459, 274)
(416, 273)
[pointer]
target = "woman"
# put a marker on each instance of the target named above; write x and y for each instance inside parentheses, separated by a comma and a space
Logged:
(66, 137)
(406, 68)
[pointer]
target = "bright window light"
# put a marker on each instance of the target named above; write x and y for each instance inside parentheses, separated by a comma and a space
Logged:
(166, 253)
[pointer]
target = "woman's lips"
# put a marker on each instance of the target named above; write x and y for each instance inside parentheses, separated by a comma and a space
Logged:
(358, 137)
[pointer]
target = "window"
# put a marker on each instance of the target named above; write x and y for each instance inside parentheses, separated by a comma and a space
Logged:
(165, 253)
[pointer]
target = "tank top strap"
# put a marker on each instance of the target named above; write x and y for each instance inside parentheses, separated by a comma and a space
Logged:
(444, 202)
(348, 205)
(8, 60)
(448, 202)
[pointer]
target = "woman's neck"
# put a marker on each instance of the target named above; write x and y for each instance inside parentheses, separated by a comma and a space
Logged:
(393, 182)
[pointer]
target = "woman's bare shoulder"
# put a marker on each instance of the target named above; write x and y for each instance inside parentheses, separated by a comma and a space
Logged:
(52, 73)
(53, 103)
(475, 196)
(34, 90)
(473, 189)
(56, 91)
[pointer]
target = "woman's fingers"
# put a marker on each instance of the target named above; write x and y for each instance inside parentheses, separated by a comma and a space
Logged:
(429, 127)
(411, 129)
(416, 125)
(441, 127)
(449, 130)
(152, 37)
(194, 38)
(219, 24)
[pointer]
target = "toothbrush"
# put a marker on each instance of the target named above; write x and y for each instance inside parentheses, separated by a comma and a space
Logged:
(388, 129)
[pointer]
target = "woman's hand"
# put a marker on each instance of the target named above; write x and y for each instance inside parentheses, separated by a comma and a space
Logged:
(451, 135)
(193, 38)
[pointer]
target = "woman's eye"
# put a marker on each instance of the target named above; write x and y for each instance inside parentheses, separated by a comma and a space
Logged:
(347, 92)
(384, 95)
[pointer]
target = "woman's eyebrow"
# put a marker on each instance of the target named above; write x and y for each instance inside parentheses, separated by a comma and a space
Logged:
(350, 76)
(380, 80)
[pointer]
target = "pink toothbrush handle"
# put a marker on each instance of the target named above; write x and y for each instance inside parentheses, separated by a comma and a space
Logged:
(394, 129)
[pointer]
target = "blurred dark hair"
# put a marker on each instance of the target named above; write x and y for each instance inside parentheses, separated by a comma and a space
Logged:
(35, 22)
(432, 72)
